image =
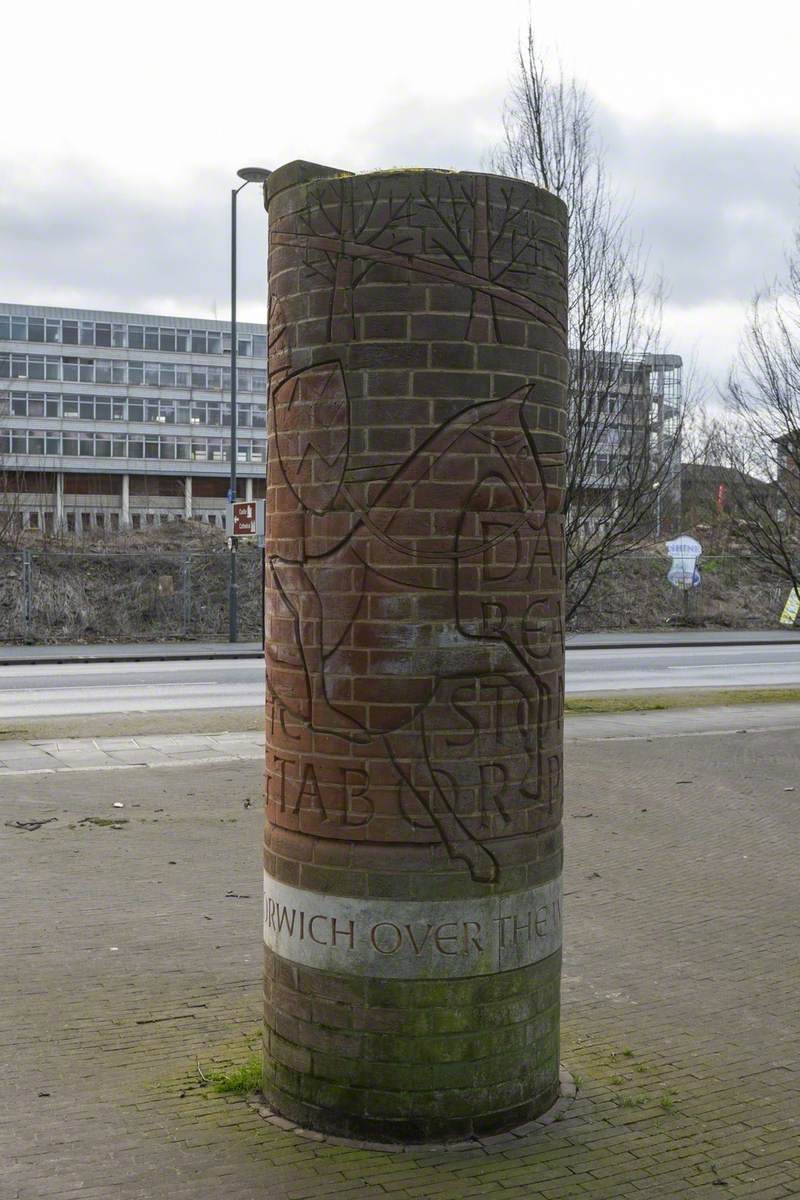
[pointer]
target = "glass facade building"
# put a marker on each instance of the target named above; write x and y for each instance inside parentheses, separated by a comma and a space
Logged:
(122, 419)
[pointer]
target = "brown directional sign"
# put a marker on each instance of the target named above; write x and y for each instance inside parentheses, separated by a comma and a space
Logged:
(246, 518)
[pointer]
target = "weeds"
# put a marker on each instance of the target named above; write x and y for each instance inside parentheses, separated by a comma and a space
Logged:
(239, 1080)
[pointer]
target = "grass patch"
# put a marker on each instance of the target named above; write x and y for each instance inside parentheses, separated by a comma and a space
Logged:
(656, 701)
(104, 822)
(635, 1101)
(239, 1081)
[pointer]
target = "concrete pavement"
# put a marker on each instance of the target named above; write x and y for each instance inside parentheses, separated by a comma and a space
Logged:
(131, 954)
(46, 755)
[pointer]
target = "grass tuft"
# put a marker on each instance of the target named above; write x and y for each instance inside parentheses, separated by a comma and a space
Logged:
(240, 1080)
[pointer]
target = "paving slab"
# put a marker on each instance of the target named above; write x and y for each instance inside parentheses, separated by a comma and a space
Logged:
(153, 750)
(130, 954)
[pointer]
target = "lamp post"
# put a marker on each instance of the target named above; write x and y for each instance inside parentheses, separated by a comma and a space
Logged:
(249, 175)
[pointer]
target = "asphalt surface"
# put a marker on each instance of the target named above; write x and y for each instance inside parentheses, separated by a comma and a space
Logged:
(72, 689)
(14, 655)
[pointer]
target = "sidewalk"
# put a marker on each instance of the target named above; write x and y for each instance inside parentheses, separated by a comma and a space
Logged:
(176, 651)
(44, 756)
(131, 953)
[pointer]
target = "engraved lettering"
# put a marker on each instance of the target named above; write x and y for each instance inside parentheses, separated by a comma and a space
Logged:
(439, 937)
(311, 934)
(295, 737)
(349, 932)
(395, 938)
(418, 948)
(466, 739)
(537, 629)
(283, 919)
(500, 922)
(471, 939)
(494, 778)
(468, 933)
(309, 786)
(523, 927)
(494, 618)
(495, 570)
(554, 762)
(361, 780)
(281, 762)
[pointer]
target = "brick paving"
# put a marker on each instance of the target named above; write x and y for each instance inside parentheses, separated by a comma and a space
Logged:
(130, 952)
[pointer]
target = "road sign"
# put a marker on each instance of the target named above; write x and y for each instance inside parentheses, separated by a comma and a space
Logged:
(789, 614)
(246, 519)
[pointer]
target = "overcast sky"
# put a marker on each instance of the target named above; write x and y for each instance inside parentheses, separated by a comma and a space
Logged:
(124, 126)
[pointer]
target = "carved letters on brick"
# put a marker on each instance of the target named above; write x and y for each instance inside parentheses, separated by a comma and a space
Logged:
(414, 625)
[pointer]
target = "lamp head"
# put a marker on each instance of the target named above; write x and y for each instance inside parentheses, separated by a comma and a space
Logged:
(254, 174)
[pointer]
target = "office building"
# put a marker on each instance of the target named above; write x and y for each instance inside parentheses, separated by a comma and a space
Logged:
(114, 420)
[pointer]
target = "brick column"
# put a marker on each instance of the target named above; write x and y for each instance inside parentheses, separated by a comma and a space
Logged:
(412, 915)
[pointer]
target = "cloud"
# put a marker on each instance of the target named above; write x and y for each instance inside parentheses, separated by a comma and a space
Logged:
(81, 237)
(716, 207)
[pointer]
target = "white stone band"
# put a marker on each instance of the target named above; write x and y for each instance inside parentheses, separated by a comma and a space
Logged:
(412, 939)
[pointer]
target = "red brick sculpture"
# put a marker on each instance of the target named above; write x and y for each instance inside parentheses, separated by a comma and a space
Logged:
(414, 650)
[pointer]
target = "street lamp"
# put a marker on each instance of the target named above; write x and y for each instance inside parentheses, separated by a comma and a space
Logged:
(249, 175)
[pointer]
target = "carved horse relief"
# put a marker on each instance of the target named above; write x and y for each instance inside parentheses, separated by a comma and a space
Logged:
(481, 544)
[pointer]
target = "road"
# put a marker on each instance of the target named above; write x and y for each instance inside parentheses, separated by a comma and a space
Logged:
(72, 689)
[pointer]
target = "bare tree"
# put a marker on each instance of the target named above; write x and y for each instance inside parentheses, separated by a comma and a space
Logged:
(760, 439)
(624, 433)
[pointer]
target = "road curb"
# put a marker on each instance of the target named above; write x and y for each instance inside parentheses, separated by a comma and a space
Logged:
(56, 657)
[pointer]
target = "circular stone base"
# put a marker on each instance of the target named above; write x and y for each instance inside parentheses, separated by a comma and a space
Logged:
(568, 1091)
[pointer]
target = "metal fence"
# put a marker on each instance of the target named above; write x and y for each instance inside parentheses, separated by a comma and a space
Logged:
(51, 595)
(60, 596)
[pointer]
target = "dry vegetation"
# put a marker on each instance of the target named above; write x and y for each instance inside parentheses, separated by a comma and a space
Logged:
(171, 583)
(632, 592)
(144, 585)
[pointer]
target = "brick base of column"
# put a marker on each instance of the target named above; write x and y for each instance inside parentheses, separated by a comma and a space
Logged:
(411, 1060)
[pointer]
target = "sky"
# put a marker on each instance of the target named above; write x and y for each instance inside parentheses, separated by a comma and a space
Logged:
(125, 125)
